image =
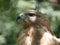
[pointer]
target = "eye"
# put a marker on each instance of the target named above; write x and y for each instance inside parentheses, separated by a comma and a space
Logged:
(31, 14)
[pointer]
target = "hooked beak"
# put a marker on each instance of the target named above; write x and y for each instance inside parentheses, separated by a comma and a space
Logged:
(21, 16)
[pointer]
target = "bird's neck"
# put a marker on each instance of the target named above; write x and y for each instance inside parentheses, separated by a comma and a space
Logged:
(33, 36)
(36, 29)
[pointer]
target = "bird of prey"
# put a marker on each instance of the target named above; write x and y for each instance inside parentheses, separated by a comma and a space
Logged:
(36, 29)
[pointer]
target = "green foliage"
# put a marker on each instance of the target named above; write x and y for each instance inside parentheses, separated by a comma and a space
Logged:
(4, 4)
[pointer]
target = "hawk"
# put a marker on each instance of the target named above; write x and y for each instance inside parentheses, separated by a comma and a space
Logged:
(36, 29)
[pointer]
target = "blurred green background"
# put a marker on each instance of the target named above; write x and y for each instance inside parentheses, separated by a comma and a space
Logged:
(9, 10)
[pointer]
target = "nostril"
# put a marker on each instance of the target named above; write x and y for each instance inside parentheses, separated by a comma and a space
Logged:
(18, 17)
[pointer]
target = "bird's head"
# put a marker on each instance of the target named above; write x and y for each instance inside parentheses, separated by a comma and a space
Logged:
(33, 17)
(29, 16)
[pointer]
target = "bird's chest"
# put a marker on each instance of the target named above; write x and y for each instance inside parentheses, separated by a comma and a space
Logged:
(28, 40)
(47, 39)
